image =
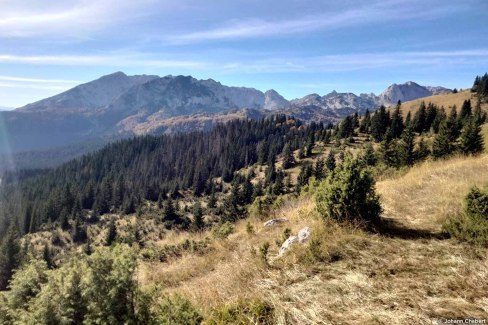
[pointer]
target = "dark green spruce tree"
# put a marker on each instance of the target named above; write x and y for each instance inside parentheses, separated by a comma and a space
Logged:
(198, 223)
(111, 233)
(405, 148)
(471, 140)
(288, 158)
(9, 255)
(442, 145)
(397, 121)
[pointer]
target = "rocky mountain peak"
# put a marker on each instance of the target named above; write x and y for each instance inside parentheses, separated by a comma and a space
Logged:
(273, 100)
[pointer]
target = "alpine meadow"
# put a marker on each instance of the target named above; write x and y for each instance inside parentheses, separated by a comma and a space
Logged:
(160, 195)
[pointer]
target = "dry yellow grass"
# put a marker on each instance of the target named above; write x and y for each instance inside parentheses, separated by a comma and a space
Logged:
(432, 191)
(372, 279)
(447, 100)
(226, 273)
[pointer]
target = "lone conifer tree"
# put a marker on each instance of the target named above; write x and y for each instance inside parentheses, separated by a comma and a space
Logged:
(419, 118)
(9, 256)
(348, 193)
(405, 148)
(387, 149)
(288, 159)
(397, 121)
(442, 145)
(111, 233)
(330, 162)
(471, 141)
(198, 223)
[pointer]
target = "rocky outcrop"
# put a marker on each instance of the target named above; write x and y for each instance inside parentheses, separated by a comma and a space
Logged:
(273, 222)
(302, 236)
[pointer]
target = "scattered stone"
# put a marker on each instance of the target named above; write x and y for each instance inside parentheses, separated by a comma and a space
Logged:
(273, 222)
(304, 234)
(287, 244)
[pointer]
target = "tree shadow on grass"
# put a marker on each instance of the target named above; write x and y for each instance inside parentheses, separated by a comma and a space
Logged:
(392, 228)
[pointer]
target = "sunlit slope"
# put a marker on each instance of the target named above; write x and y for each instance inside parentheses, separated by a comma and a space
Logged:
(446, 100)
(430, 192)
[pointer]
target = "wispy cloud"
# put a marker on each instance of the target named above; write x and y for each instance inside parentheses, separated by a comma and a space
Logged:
(258, 64)
(360, 61)
(379, 12)
(33, 86)
(36, 83)
(78, 18)
(35, 80)
(100, 60)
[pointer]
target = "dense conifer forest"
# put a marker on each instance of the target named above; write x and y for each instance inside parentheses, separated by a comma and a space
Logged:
(123, 174)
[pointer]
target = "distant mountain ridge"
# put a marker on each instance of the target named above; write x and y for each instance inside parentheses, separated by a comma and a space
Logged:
(116, 105)
(91, 95)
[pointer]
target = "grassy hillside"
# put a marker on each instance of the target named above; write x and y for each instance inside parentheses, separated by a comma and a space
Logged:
(446, 100)
(405, 274)
(431, 192)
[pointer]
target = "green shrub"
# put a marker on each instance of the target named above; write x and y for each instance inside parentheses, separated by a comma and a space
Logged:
(223, 231)
(348, 193)
(254, 311)
(153, 307)
(472, 225)
(250, 228)
(98, 289)
(177, 311)
(26, 283)
(261, 207)
(263, 252)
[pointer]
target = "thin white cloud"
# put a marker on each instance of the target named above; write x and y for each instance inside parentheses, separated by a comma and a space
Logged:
(361, 61)
(379, 12)
(35, 80)
(33, 86)
(100, 60)
(258, 64)
(79, 18)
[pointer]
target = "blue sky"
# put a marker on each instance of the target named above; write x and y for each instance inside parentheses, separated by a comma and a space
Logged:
(296, 47)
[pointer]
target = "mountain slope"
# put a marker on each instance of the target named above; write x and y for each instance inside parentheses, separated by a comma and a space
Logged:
(176, 96)
(119, 105)
(93, 94)
(273, 100)
(445, 100)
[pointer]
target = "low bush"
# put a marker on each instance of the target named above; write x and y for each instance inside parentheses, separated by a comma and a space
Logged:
(254, 311)
(348, 193)
(472, 225)
(223, 231)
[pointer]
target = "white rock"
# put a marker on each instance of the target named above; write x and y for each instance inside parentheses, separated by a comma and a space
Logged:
(287, 244)
(304, 234)
(273, 222)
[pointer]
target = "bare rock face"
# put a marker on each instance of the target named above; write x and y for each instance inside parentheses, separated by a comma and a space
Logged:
(273, 222)
(273, 100)
(91, 95)
(404, 92)
(302, 236)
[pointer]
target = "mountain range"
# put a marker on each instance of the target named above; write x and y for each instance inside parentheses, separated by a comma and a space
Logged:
(118, 105)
